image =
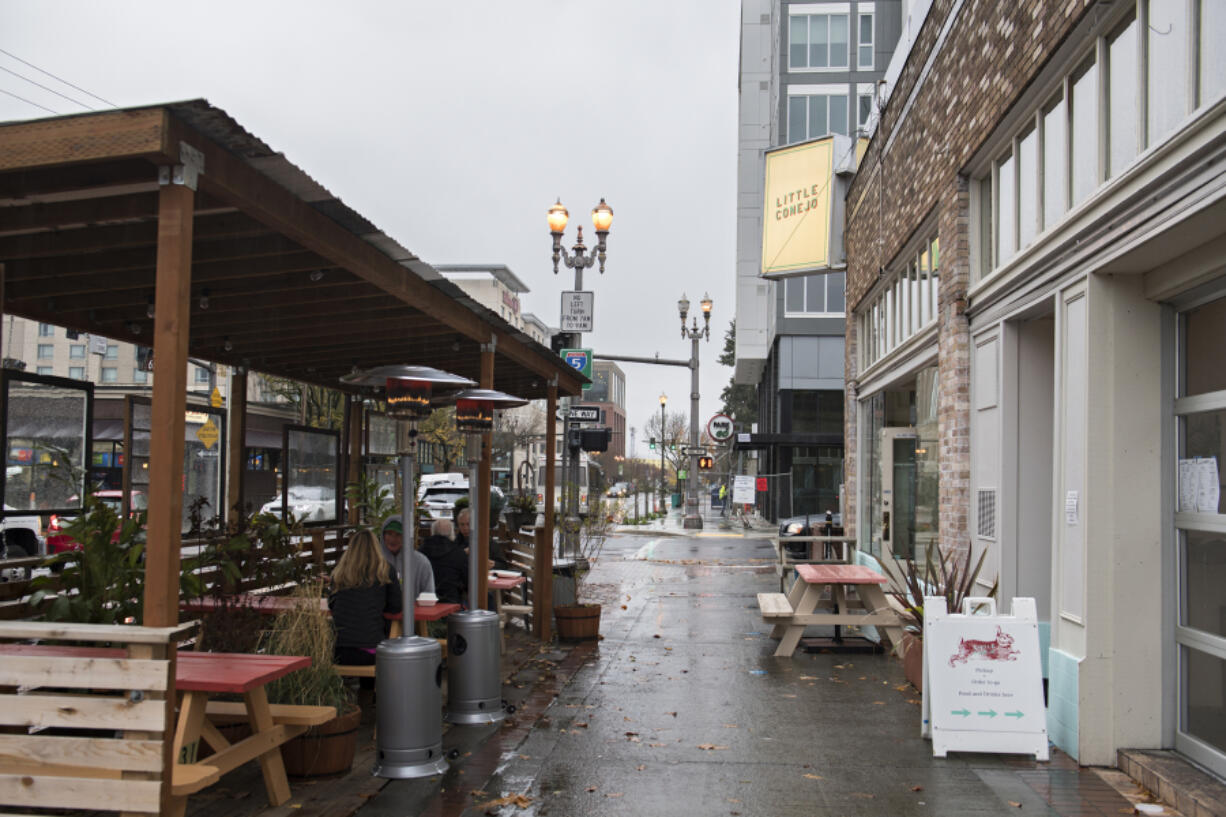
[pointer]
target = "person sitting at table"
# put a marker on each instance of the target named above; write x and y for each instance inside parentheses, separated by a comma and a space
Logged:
(463, 527)
(393, 540)
(364, 587)
(449, 562)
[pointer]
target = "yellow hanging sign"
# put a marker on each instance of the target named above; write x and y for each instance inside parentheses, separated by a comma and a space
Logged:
(215, 398)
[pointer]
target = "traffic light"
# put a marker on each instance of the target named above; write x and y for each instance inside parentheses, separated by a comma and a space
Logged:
(706, 463)
(563, 340)
(652, 444)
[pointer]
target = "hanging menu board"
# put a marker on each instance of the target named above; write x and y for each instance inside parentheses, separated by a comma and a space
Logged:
(983, 679)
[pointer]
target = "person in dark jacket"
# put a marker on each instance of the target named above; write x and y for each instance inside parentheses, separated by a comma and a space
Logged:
(364, 587)
(449, 562)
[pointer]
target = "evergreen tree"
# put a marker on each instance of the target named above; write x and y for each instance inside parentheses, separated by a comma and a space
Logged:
(740, 401)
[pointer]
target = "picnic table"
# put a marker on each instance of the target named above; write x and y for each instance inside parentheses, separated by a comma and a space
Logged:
(200, 676)
(824, 587)
(274, 605)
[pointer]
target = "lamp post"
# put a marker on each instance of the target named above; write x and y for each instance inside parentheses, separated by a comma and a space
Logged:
(663, 403)
(693, 519)
(408, 669)
(577, 259)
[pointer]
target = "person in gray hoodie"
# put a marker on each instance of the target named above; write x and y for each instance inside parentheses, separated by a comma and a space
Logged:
(392, 536)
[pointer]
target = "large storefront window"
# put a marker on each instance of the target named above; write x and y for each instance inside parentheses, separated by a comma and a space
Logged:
(902, 490)
(1200, 520)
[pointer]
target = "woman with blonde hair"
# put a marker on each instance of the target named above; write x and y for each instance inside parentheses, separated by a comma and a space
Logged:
(364, 587)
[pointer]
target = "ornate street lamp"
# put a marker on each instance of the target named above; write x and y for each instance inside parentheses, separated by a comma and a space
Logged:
(410, 729)
(578, 260)
(693, 519)
(474, 682)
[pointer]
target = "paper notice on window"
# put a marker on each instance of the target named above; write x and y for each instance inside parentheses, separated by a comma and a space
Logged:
(1199, 485)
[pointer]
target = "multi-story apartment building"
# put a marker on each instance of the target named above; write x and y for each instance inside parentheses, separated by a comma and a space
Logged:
(1036, 244)
(808, 69)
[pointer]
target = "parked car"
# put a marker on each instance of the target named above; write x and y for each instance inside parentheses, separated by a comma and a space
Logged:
(438, 494)
(20, 535)
(308, 503)
(618, 489)
(813, 524)
(58, 541)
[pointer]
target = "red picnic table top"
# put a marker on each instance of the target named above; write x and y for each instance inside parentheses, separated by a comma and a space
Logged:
(506, 582)
(839, 574)
(194, 671)
(432, 612)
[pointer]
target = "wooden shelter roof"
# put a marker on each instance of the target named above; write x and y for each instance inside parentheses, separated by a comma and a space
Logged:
(298, 284)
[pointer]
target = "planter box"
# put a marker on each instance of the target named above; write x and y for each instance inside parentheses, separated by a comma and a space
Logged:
(913, 660)
(579, 622)
(325, 749)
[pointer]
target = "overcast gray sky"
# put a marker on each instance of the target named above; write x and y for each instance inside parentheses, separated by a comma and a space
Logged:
(453, 126)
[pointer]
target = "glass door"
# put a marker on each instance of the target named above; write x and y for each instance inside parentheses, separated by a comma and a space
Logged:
(1200, 522)
(898, 492)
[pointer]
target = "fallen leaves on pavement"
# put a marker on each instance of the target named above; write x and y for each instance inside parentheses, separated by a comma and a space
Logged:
(517, 800)
(710, 747)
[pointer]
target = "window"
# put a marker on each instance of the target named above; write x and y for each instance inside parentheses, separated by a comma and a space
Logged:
(76, 372)
(1027, 187)
(1006, 214)
(904, 306)
(112, 352)
(1083, 100)
(813, 115)
(46, 351)
(77, 351)
(46, 330)
(110, 374)
(44, 370)
(821, 294)
(1212, 57)
(140, 375)
(1055, 161)
(1169, 46)
(1122, 97)
(864, 54)
(817, 41)
(202, 375)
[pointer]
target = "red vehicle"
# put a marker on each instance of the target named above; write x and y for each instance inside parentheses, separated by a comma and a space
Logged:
(58, 541)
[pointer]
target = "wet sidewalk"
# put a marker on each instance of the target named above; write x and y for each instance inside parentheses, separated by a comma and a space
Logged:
(682, 710)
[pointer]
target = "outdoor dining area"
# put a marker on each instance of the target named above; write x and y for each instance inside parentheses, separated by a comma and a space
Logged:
(172, 227)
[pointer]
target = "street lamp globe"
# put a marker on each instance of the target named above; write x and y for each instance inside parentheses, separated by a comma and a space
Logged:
(558, 216)
(705, 303)
(602, 217)
(663, 398)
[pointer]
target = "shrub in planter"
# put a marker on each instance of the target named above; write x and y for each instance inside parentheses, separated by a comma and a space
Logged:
(306, 630)
(581, 620)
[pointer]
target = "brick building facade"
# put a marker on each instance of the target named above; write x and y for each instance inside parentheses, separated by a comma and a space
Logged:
(1036, 294)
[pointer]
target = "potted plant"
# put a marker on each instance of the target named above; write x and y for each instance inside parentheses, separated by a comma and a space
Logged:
(946, 573)
(521, 510)
(307, 630)
(581, 621)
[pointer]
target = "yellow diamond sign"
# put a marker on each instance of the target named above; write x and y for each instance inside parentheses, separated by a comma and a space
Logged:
(208, 433)
(215, 398)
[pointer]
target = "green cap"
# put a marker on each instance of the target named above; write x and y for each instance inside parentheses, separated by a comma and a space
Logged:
(393, 526)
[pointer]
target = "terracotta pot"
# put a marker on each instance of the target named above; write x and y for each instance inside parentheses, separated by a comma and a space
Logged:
(325, 749)
(913, 660)
(579, 622)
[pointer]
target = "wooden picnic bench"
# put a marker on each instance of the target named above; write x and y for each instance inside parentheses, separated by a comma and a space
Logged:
(824, 587)
(833, 550)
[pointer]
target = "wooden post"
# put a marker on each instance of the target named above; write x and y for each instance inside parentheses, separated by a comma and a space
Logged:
(355, 414)
(236, 446)
(1, 311)
(170, 331)
(542, 596)
(483, 479)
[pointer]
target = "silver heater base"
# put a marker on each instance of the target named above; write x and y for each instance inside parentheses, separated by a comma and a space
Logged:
(427, 768)
(475, 718)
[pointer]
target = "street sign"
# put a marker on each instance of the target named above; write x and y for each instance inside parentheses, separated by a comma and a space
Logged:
(577, 308)
(719, 428)
(585, 414)
(581, 361)
(208, 433)
(983, 688)
(215, 398)
(762, 484)
(97, 345)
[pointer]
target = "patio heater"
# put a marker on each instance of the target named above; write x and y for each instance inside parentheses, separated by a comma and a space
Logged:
(474, 683)
(408, 670)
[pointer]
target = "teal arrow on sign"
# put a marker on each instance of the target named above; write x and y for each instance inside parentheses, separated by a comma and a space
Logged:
(991, 713)
(963, 712)
(1013, 714)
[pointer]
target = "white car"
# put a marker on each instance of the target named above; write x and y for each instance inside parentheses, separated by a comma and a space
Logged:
(20, 535)
(306, 503)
